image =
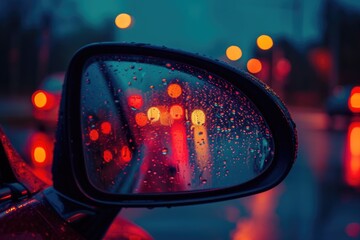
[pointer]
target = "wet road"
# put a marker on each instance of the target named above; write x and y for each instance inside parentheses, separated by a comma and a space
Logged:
(320, 199)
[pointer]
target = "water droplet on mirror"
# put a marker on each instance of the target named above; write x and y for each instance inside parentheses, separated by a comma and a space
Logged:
(135, 78)
(204, 181)
(164, 151)
(88, 81)
(132, 66)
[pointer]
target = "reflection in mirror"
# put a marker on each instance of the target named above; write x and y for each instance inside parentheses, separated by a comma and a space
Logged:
(150, 125)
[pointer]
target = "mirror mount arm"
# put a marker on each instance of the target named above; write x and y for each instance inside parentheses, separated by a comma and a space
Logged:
(90, 222)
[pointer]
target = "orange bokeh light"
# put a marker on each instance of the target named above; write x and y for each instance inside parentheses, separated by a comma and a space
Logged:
(106, 127)
(354, 100)
(233, 53)
(141, 119)
(254, 65)
(39, 99)
(39, 155)
(174, 90)
(352, 159)
(94, 135)
(264, 42)
(123, 21)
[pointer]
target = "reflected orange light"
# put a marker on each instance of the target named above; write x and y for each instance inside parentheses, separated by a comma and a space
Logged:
(201, 145)
(352, 159)
(105, 127)
(264, 42)
(254, 65)
(354, 100)
(94, 135)
(176, 112)
(153, 114)
(39, 99)
(180, 152)
(198, 117)
(174, 90)
(141, 119)
(107, 155)
(123, 21)
(135, 101)
(126, 154)
(233, 53)
(39, 154)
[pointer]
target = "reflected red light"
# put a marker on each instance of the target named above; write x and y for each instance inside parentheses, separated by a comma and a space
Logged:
(141, 119)
(94, 135)
(353, 230)
(352, 159)
(135, 101)
(107, 155)
(126, 154)
(106, 127)
(354, 100)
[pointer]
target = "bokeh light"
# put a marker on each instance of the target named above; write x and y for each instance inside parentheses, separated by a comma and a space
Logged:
(39, 154)
(233, 53)
(174, 90)
(39, 99)
(264, 42)
(254, 65)
(123, 21)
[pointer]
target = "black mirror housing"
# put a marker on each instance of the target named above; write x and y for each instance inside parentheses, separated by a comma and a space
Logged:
(69, 168)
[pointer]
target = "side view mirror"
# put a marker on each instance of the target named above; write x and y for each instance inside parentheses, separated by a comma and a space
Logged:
(144, 126)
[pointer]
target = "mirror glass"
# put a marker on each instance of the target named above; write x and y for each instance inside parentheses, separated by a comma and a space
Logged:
(152, 125)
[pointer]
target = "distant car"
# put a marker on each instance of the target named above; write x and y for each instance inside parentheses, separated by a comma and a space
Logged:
(46, 101)
(40, 143)
(345, 101)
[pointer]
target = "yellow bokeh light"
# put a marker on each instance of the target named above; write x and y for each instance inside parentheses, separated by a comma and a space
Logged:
(198, 117)
(39, 154)
(264, 42)
(254, 65)
(153, 114)
(233, 53)
(123, 20)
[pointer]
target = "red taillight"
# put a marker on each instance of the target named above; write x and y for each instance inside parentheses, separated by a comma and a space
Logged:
(43, 100)
(41, 147)
(354, 100)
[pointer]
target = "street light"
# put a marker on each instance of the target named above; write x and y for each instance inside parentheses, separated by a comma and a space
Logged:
(233, 53)
(254, 65)
(264, 42)
(123, 20)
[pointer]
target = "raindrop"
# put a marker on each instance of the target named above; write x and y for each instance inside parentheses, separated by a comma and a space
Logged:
(135, 78)
(164, 151)
(88, 81)
(204, 181)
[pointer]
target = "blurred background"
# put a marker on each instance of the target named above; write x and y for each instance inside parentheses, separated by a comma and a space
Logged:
(307, 51)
